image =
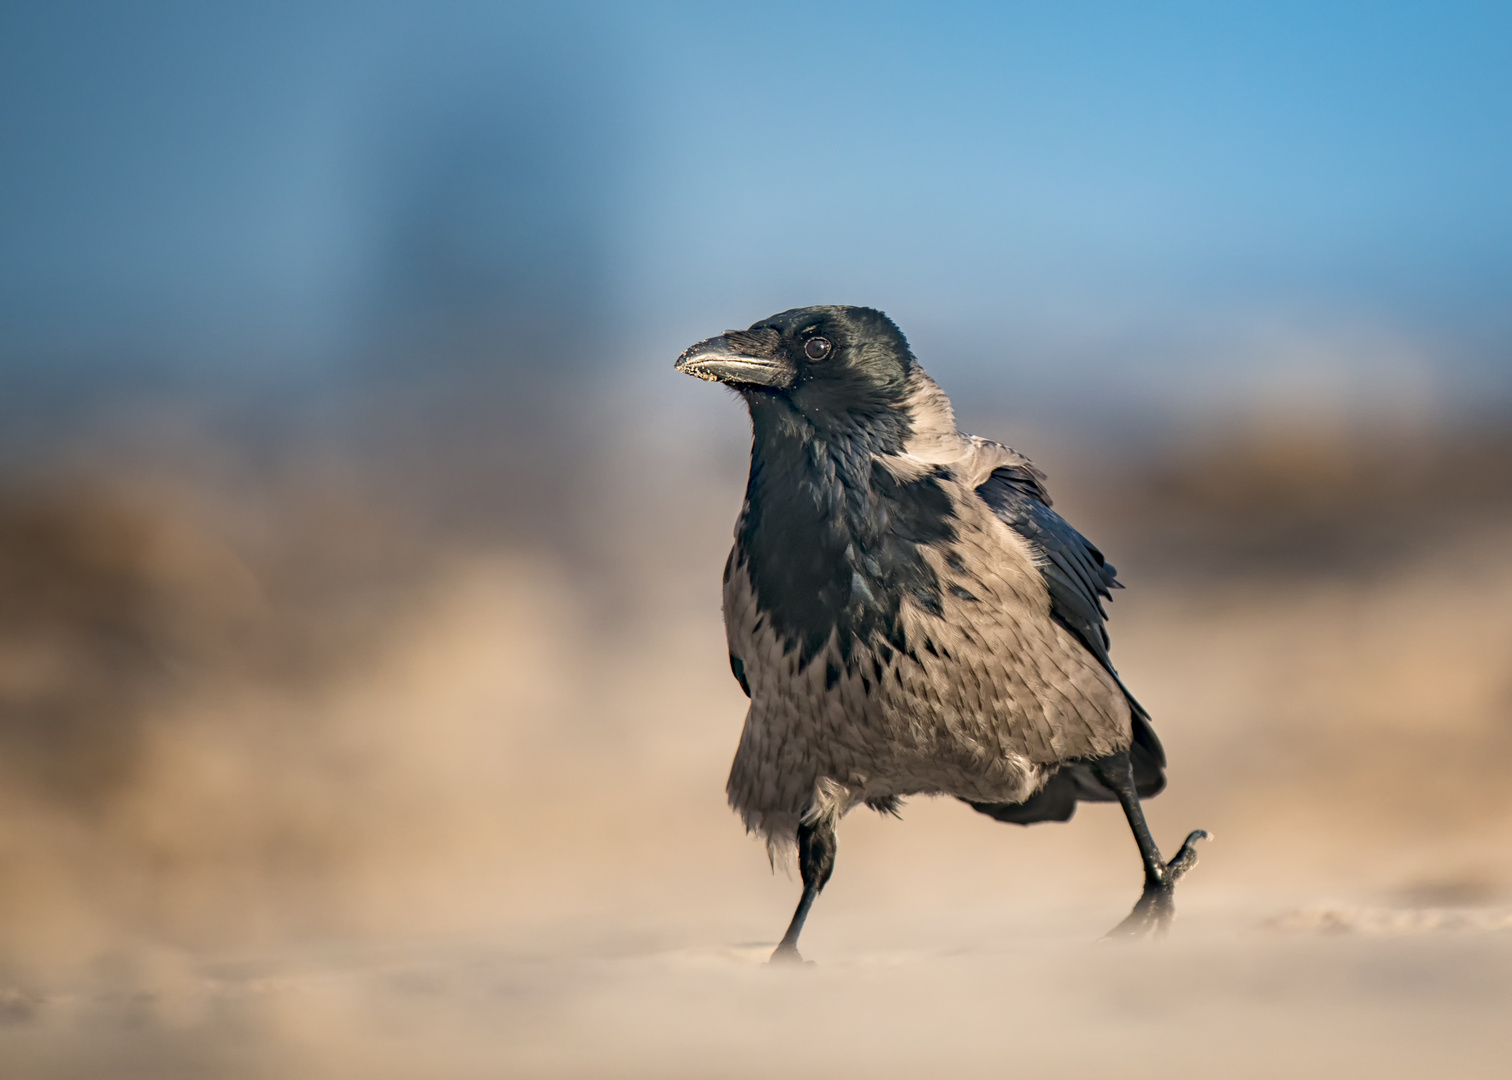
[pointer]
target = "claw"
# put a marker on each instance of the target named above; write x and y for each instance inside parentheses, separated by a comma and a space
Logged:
(1186, 858)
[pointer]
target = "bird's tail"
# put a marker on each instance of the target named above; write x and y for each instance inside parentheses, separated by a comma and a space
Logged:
(1077, 781)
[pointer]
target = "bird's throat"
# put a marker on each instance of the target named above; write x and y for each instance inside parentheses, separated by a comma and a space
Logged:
(833, 542)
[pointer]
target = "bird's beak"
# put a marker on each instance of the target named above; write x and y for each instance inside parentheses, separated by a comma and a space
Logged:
(720, 360)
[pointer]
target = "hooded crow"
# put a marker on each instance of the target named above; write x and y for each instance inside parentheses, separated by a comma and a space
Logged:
(907, 613)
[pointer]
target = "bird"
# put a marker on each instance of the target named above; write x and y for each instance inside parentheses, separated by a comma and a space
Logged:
(907, 613)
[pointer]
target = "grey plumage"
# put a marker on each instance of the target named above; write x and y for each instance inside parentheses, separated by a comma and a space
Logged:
(905, 610)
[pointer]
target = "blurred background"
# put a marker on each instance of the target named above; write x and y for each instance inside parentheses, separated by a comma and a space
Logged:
(363, 698)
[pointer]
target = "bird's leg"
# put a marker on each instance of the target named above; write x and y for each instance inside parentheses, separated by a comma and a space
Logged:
(1156, 907)
(816, 861)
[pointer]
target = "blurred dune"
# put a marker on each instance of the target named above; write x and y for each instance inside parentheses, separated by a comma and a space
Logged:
(335, 770)
(1306, 499)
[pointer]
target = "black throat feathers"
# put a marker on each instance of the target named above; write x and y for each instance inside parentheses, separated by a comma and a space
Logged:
(832, 540)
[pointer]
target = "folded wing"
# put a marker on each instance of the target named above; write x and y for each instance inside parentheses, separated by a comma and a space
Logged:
(1079, 579)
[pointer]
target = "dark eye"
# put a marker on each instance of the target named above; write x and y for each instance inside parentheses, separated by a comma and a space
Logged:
(816, 348)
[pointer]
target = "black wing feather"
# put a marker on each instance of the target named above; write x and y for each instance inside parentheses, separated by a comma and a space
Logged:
(1079, 580)
(1078, 576)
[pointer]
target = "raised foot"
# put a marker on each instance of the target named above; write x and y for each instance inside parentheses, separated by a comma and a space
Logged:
(1156, 906)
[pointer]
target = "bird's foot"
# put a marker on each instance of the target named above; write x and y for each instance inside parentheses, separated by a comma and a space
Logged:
(786, 955)
(1156, 906)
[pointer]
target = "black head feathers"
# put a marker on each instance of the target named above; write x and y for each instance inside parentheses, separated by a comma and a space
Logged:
(838, 367)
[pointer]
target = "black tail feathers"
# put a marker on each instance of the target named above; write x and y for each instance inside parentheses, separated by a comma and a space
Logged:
(1077, 782)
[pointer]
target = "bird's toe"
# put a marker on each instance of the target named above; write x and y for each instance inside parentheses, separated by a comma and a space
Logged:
(787, 955)
(1186, 858)
(1152, 913)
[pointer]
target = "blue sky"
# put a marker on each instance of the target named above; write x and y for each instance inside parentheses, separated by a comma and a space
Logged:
(258, 186)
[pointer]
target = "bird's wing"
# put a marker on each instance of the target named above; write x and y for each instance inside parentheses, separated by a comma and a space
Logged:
(1078, 579)
(1078, 576)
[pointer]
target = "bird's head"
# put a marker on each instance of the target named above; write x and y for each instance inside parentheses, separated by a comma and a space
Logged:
(837, 366)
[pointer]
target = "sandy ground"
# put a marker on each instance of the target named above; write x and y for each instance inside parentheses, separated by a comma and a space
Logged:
(968, 996)
(493, 842)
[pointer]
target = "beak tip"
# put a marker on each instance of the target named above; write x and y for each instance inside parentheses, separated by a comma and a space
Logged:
(717, 360)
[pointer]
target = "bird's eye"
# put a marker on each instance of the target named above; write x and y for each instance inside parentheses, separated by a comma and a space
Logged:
(816, 348)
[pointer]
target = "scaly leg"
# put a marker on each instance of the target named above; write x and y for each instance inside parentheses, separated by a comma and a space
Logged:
(1156, 907)
(816, 861)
